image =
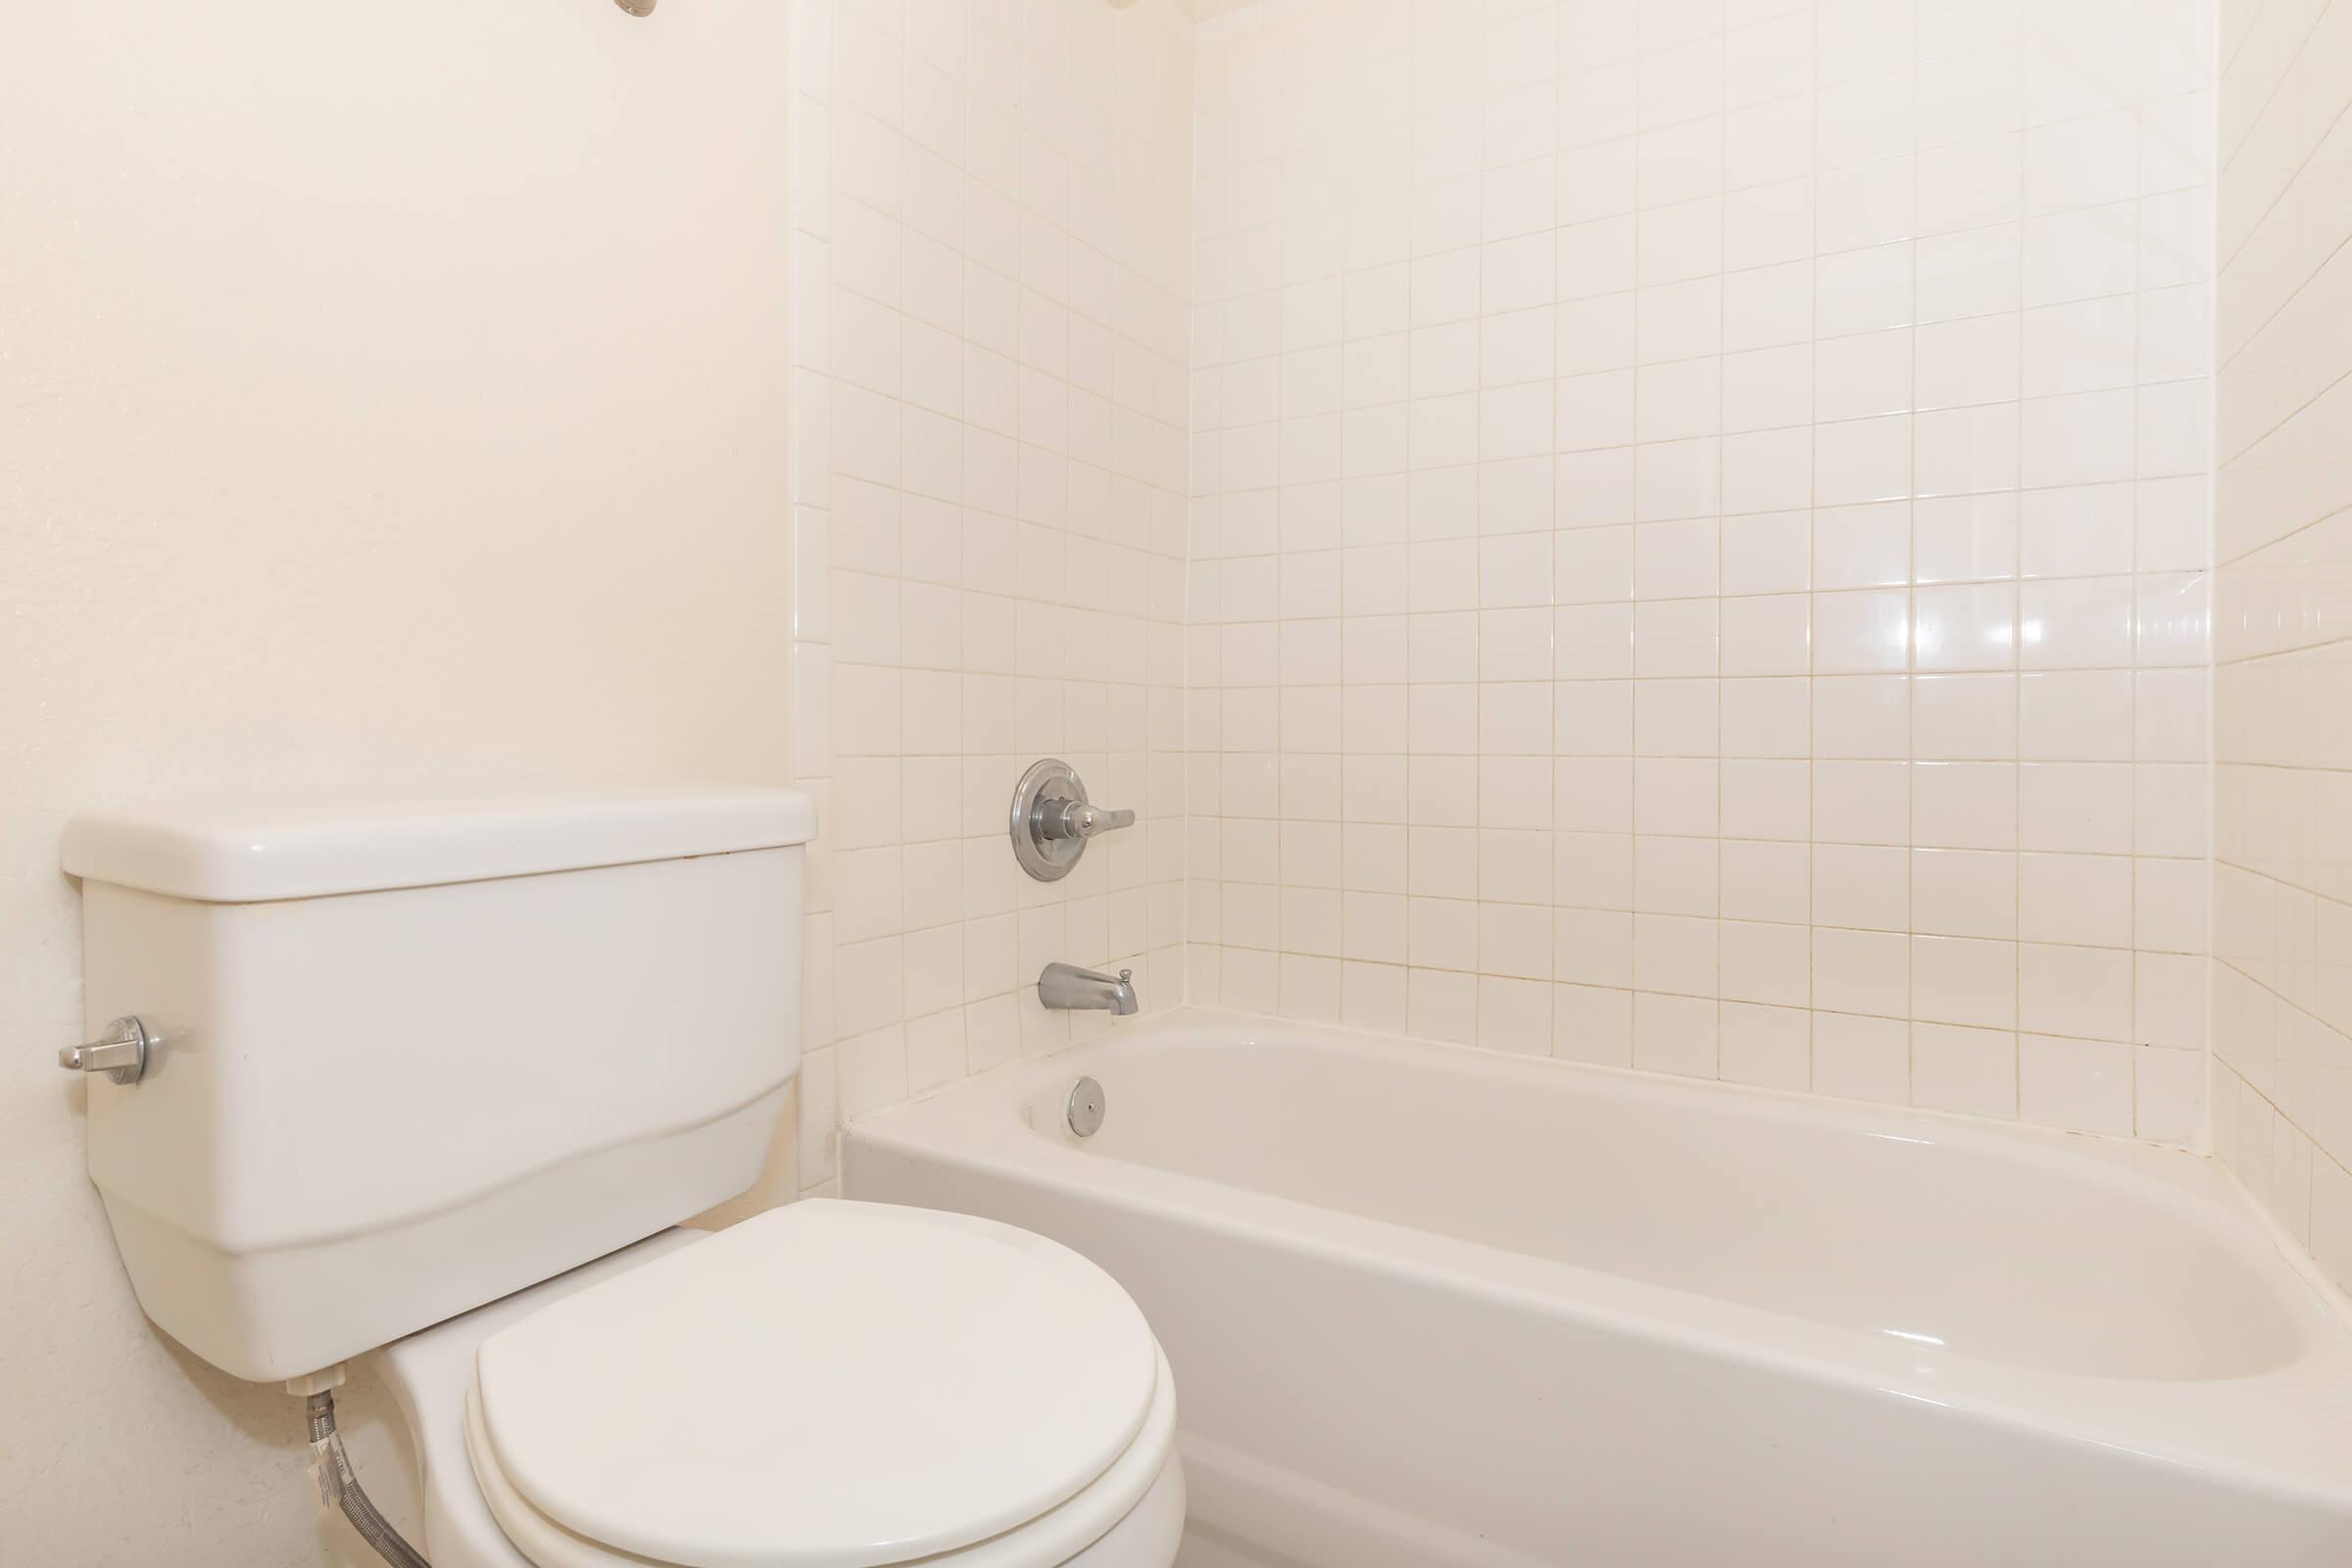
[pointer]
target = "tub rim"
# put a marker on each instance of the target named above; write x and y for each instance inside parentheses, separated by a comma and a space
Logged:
(2284, 1431)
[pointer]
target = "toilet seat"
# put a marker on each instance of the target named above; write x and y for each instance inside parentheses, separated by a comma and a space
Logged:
(1055, 1538)
(827, 1386)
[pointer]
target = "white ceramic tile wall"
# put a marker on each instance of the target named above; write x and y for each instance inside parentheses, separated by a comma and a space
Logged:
(993, 217)
(1700, 538)
(2282, 876)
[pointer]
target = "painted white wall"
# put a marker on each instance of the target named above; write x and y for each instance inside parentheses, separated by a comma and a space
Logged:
(391, 400)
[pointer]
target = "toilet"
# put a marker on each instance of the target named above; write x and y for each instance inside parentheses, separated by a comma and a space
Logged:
(442, 1082)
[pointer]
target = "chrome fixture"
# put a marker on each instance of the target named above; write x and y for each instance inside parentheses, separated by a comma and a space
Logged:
(120, 1053)
(1086, 1107)
(1066, 988)
(637, 8)
(1052, 820)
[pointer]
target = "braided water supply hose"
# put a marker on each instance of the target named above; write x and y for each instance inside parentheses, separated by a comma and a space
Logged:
(339, 1487)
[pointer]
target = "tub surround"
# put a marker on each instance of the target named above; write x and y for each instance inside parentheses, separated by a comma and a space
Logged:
(992, 222)
(1695, 552)
(2282, 904)
(1700, 540)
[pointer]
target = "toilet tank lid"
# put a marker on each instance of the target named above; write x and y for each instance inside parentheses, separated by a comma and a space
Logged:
(240, 855)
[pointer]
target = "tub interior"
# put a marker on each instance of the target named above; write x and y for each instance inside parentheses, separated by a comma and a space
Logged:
(2037, 1256)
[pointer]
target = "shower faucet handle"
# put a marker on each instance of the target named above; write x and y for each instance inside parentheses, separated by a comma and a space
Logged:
(1052, 821)
(1076, 820)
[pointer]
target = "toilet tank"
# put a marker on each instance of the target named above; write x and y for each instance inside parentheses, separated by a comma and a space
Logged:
(412, 1061)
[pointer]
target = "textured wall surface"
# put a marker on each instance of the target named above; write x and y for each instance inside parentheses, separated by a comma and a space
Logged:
(2283, 684)
(1702, 541)
(994, 216)
(390, 403)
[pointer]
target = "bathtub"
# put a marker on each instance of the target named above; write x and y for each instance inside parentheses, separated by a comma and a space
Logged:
(1435, 1306)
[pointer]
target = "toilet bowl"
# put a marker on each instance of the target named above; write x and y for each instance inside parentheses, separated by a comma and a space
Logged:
(829, 1384)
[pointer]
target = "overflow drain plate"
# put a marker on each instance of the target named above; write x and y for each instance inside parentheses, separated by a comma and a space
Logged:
(1086, 1107)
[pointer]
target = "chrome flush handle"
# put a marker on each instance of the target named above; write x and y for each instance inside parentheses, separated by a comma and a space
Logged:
(120, 1053)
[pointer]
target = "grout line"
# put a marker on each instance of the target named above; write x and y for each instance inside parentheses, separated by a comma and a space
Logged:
(2017, 825)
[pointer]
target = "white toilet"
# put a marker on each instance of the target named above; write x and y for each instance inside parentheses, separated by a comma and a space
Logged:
(437, 1083)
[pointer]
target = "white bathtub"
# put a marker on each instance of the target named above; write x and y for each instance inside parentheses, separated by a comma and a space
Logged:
(1437, 1307)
